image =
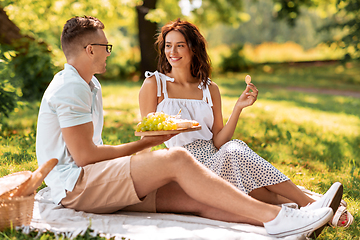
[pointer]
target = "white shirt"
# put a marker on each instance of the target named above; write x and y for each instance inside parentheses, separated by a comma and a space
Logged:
(68, 101)
(191, 109)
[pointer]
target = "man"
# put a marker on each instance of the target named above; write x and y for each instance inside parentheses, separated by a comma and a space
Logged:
(99, 178)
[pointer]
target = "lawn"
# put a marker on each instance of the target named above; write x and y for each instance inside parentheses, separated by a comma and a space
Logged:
(313, 138)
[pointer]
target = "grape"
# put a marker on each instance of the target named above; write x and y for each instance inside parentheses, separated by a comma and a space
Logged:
(156, 122)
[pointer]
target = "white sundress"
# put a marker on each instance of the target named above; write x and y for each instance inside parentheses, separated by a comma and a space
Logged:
(234, 161)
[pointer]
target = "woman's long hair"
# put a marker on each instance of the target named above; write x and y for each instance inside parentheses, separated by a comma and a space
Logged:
(200, 64)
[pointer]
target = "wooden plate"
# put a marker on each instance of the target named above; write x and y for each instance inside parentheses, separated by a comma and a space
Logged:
(157, 133)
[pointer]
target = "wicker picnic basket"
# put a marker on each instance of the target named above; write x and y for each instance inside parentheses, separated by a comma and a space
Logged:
(17, 193)
(16, 211)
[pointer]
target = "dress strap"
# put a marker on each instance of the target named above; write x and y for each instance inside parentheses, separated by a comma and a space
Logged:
(160, 80)
(206, 92)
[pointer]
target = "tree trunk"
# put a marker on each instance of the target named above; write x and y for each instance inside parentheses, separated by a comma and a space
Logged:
(147, 31)
(8, 30)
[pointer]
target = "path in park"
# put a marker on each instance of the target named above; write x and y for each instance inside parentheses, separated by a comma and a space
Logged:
(317, 90)
(325, 91)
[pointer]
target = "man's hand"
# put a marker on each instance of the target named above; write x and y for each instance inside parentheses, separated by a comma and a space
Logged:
(152, 141)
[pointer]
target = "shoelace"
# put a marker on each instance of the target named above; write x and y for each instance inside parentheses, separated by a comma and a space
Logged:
(290, 212)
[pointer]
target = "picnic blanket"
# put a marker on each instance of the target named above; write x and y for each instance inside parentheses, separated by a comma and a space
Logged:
(138, 226)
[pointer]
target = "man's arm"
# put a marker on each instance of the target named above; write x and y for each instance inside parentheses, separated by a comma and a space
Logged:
(79, 142)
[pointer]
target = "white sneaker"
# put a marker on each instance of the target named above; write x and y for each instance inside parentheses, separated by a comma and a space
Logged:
(291, 221)
(331, 199)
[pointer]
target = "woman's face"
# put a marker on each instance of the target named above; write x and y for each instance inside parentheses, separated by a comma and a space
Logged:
(177, 50)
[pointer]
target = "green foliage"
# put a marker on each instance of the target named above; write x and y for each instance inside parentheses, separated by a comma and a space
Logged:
(215, 11)
(290, 10)
(33, 68)
(236, 61)
(262, 27)
(347, 19)
(44, 20)
(8, 95)
(209, 13)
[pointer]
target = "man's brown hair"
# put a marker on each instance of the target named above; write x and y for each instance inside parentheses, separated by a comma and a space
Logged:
(78, 33)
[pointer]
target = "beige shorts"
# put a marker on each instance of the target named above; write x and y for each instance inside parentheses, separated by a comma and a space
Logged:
(106, 187)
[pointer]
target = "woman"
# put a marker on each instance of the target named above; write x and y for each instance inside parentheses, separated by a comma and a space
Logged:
(183, 83)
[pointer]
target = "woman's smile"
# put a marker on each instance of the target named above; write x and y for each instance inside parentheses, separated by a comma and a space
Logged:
(177, 50)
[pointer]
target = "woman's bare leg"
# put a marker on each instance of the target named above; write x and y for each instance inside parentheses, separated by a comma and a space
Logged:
(290, 191)
(284, 192)
(264, 195)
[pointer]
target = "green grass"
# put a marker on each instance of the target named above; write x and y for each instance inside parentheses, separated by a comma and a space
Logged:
(312, 138)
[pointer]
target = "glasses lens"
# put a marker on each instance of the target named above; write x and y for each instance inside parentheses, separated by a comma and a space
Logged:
(108, 48)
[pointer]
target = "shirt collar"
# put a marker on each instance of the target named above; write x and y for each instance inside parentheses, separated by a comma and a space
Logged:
(92, 85)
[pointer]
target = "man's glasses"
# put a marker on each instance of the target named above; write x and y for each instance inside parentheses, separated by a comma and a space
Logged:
(108, 46)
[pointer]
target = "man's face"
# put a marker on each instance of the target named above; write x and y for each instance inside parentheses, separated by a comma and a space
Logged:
(100, 52)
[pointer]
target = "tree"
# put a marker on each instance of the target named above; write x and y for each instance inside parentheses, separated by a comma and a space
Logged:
(348, 18)
(147, 30)
(31, 64)
(8, 30)
(8, 95)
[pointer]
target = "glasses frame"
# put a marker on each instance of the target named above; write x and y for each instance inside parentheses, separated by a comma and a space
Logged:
(108, 46)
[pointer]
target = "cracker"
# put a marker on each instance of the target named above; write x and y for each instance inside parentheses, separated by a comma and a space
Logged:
(248, 79)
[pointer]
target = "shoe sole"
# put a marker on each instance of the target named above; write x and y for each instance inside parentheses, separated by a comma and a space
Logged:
(335, 203)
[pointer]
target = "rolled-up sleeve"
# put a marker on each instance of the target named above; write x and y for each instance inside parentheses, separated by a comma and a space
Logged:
(74, 105)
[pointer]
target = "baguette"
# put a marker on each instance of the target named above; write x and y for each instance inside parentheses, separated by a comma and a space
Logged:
(36, 179)
(182, 123)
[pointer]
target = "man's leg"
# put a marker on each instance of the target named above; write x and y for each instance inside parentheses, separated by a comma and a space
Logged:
(171, 198)
(153, 170)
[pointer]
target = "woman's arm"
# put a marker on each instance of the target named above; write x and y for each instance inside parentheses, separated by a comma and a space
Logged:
(148, 99)
(223, 134)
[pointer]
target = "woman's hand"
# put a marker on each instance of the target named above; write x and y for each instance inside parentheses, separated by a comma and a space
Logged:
(248, 97)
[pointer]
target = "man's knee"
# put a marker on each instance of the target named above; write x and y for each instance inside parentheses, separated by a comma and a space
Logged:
(179, 155)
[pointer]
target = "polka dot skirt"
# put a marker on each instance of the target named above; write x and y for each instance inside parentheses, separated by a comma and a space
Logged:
(236, 163)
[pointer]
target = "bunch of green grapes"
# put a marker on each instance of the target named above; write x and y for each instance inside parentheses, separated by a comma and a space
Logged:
(157, 121)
